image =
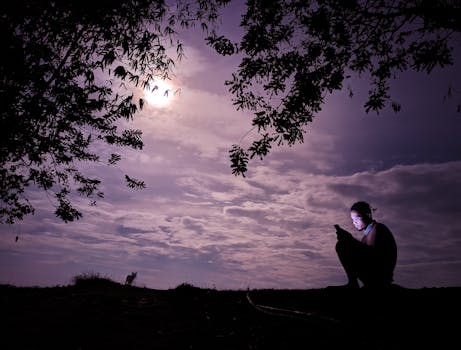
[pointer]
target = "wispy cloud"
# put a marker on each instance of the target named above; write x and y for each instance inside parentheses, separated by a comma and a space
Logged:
(264, 237)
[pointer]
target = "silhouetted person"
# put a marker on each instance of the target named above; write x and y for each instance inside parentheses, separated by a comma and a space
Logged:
(372, 259)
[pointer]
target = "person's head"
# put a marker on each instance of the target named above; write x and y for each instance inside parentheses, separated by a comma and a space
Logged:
(361, 215)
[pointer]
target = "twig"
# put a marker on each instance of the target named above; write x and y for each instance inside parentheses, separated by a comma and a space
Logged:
(270, 310)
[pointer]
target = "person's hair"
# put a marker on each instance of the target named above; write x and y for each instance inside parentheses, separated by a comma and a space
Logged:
(363, 208)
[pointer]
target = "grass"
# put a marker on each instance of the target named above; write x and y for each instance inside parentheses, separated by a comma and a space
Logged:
(92, 279)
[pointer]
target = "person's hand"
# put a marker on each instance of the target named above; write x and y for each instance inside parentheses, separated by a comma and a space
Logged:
(342, 234)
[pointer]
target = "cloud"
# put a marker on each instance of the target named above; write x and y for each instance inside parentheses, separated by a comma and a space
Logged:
(200, 120)
(240, 239)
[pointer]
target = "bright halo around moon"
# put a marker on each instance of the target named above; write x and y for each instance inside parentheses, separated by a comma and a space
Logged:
(159, 93)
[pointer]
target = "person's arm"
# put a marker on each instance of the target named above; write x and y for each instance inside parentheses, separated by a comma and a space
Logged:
(384, 242)
(342, 234)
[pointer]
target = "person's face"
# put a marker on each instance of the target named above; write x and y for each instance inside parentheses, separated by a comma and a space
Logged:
(359, 222)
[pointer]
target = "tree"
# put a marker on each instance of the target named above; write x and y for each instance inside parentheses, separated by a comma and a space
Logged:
(295, 52)
(65, 75)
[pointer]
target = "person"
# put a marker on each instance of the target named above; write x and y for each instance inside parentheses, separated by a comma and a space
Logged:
(372, 259)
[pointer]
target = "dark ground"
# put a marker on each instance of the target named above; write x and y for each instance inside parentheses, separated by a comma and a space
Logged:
(113, 316)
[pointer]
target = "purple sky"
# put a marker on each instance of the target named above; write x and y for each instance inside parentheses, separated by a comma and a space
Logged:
(197, 223)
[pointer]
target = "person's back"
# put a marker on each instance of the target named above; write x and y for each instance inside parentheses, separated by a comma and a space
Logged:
(384, 252)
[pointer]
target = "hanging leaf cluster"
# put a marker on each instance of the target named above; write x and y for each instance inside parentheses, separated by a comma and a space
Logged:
(295, 53)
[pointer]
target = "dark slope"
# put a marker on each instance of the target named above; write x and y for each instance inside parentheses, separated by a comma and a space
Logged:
(120, 317)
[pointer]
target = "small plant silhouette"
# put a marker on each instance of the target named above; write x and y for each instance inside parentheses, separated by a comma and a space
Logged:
(130, 278)
(92, 279)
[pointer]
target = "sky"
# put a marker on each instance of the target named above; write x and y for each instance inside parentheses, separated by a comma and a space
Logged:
(197, 223)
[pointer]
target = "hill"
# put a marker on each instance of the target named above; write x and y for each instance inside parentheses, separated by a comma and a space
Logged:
(114, 316)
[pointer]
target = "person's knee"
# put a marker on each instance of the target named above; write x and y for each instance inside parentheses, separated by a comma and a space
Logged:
(340, 247)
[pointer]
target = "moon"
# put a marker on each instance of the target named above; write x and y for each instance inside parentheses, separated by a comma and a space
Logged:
(159, 93)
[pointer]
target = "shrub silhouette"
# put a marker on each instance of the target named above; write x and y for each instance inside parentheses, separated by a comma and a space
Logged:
(93, 279)
(130, 278)
(187, 289)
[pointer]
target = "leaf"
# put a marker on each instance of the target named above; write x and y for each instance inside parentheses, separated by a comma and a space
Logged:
(65, 210)
(134, 183)
(239, 160)
(114, 158)
(120, 72)
(396, 106)
(221, 45)
(261, 147)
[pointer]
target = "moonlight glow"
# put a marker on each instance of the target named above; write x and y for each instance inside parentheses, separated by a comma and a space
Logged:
(159, 93)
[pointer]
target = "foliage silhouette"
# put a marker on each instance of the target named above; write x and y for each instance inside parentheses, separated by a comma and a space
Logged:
(68, 70)
(67, 73)
(92, 279)
(294, 53)
(130, 278)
